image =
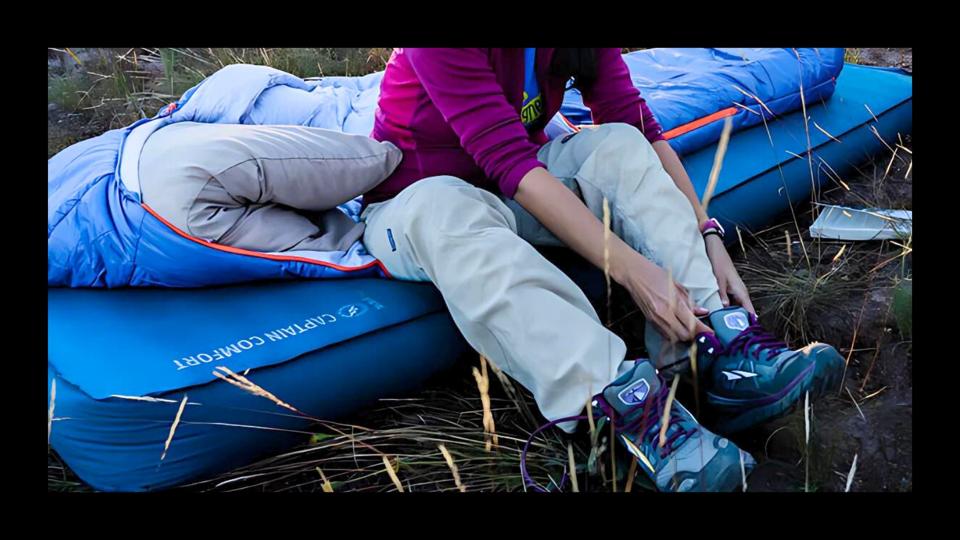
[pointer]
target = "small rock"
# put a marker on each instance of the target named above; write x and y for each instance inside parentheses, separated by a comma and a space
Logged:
(889, 452)
(155, 68)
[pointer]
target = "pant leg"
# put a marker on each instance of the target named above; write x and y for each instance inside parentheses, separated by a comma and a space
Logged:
(510, 303)
(648, 211)
(274, 227)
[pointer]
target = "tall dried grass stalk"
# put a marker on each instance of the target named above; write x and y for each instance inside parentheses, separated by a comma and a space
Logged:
(786, 235)
(665, 420)
(454, 470)
(853, 471)
(483, 384)
(631, 474)
(246, 384)
(390, 472)
(173, 427)
(573, 468)
(717, 162)
(53, 400)
(327, 486)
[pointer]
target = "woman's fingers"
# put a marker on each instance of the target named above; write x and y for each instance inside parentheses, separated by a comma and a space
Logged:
(692, 325)
(739, 294)
(697, 311)
(701, 328)
(680, 324)
(744, 298)
(677, 329)
(724, 297)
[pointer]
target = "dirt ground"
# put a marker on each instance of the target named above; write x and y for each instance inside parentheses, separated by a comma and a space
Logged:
(887, 57)
(880, 370)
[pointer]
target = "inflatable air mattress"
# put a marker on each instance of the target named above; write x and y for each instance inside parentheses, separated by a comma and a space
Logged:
(121, 362)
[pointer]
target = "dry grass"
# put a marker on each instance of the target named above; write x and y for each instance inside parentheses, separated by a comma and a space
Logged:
(100, 89)
(853, 471)
(795, 300)
(420, 437)
(456, 471)
(173, 427)
(717, 163)
(575, 486)
(489, 426)
(665, 420)
(327, 487)
(247, 385)
(392, 473)
(53, 399)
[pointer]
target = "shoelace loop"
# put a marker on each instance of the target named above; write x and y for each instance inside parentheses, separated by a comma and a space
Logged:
(752, 335)
(756, 335)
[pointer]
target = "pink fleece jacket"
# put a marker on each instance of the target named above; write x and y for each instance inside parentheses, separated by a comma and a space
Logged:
(457, 112)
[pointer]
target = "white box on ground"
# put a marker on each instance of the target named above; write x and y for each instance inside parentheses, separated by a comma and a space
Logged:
(843, 223)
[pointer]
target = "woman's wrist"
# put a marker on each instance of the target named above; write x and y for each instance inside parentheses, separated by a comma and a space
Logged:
(713, 240)
(618, 260)
(714, 246)
(625, 263)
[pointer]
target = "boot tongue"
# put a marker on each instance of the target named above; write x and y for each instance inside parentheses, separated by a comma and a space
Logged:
(633, 388)
(729, 322)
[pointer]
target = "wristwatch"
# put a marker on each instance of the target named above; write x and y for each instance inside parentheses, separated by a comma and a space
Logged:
(712, 226)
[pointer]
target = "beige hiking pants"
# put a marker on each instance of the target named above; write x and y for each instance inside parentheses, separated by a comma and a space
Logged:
(510, 303)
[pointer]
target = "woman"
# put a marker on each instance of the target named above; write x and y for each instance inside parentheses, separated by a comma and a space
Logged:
(479, 182)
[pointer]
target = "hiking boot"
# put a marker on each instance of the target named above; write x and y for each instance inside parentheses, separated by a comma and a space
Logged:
(750, 377)
(692, 458)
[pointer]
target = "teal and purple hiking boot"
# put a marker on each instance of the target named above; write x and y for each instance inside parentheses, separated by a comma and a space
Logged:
(751, 377)
(692, 458)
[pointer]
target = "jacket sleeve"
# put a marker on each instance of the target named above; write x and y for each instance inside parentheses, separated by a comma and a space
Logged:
(613, 98)
(463, 86)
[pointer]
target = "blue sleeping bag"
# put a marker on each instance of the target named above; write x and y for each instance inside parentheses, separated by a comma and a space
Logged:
(121, 361)
(100, 234)
(691, 91)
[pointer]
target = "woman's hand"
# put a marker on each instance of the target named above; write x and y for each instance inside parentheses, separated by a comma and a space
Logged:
(663, 301)
(731, 286)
